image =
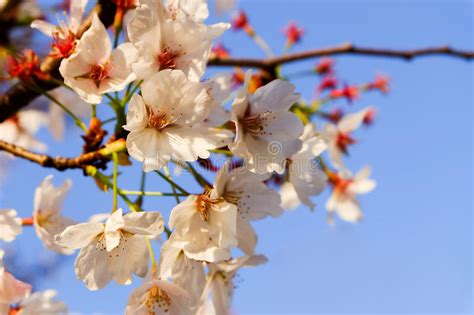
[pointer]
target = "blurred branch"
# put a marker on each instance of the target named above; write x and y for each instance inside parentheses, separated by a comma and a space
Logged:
(60, 163)
(20, 94)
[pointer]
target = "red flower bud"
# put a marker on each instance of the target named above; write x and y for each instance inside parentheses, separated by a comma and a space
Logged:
(369, 117)
(380, 83)
(219, 51)
(240, 21)
(327, 83)
(293, 33)
(25, 67)
(349, 92)
(325, 66)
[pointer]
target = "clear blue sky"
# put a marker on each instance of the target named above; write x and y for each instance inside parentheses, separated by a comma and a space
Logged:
(413, 252)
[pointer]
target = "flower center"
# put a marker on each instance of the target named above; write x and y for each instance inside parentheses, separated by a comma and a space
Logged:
(340, 184)
(344, 140)
(167, 58)
(204, 204)
(158, 120)
(98, 73)
(64, 44)
(256, 124)
(159, 297)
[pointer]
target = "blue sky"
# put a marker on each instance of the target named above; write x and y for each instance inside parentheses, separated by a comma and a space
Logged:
(412, 253)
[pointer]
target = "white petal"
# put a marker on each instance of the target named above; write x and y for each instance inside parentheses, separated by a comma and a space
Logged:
(137, 118)
(112, 226)
(10, 225)
(277, 95)
(79, 235)
(144, 223)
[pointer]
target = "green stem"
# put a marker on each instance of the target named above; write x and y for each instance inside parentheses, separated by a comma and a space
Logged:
(130, 94)
(198, 177)
(150, 193)
(106, 121)
(115, 189)
(94, 172)
(77, 121)
(168, 175)
(172, 183)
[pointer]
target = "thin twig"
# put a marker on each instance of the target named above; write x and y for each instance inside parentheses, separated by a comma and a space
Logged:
(59, 163)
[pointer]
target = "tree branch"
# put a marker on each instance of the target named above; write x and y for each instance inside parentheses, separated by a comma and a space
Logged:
(19, 95)
(344, 49)
(59, 163)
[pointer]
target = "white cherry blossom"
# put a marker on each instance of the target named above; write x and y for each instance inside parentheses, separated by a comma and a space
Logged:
(47, 218)
(166, 121)
(158, 297)
(345, 190)
(10, 225)
(172, 37)
(64, 35)
(338, 137)
(20, 129)
(95, 69)
(205, 227)
(113, 250)
(253, 198)
(305, 177)
(42, 303)
(266, 132)
(11, 290)
(183, 271)
(220, 283)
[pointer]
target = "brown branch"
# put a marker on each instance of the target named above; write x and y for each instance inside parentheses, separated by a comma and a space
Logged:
(20, 95)
(345, 49)
(59, 163)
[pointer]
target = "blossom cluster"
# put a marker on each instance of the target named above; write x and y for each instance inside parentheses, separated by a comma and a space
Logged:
(170, 113)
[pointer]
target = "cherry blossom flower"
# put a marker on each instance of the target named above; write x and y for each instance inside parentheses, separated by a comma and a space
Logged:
(183, 271)
(305, 178)
(345, 188)
(46, 216)
(339, 138)
(220, 283)
(11, 290)
(20, 129)
(94, 69)
(113, 250)
(41, 303)
(172, 37)
(166, 121)
(158, 297)
(205, 227)
(10, 225)
(254, 201)
(64, 35)
(266, 132)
